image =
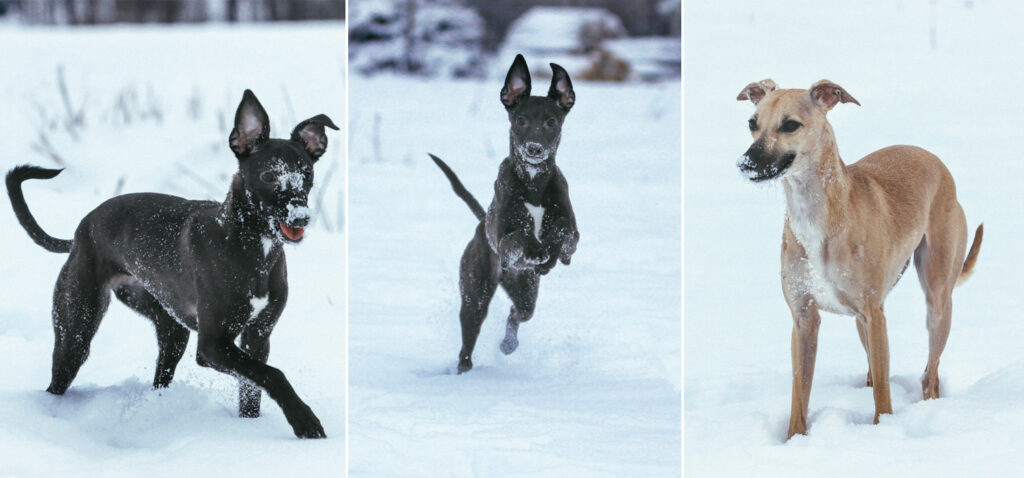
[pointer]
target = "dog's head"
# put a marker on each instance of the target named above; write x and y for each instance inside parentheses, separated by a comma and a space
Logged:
(277, 174)
(536, 120)
(788, 127)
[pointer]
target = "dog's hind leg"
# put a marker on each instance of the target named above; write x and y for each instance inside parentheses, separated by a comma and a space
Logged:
(478, 278)
(171, 337)
(79, 301)
(938, 267)
(522, 288)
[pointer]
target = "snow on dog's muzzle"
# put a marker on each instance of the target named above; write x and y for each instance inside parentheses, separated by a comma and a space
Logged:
(758, 165)
(294, 225)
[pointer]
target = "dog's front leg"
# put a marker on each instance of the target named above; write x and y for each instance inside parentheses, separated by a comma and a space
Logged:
(560, 243)
(804, 350)
(878, 356)
(520, 250)
(564, 228)
(256, 339)
(220, 352)
(256, 344)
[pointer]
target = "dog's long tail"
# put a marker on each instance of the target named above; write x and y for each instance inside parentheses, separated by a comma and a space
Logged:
(460, 190)
(14, 179)
(972, 256)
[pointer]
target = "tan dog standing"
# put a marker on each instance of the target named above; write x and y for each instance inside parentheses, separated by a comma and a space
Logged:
(851, 231)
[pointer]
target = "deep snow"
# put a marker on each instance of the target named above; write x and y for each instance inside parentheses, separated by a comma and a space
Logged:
(940, 75)
(157, 103)
(594, 387)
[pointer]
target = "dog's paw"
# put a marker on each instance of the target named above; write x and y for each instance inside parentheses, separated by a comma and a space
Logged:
(509, 345)
(568, 249)
(536, 259)
(465, 366)
(304, 423)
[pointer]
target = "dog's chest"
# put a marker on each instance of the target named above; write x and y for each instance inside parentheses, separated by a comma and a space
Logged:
(536, 214)
(816, 273)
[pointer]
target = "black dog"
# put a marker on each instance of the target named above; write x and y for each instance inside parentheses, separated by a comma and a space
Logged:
(215, 268)
(530, 225)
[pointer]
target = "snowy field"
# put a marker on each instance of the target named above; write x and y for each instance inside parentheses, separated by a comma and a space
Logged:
(937, 74)
(594, 388)
(150, 109)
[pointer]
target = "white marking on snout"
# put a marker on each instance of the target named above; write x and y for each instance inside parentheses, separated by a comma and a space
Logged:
(297, 212)
(258, 304)
(537, 214)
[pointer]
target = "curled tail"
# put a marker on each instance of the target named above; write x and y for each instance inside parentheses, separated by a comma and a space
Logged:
(460, 190)
(14, 179)
(972, 256)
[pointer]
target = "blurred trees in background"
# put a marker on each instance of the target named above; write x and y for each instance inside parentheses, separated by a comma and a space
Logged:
(91, 12)
(640, 17)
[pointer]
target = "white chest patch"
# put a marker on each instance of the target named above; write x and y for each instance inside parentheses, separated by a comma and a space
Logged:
(258, 304)
(268, 243)
(537, 213)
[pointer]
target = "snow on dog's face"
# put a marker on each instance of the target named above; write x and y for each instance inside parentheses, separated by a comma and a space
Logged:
(278, 174)
(536, 121)
(787, 127)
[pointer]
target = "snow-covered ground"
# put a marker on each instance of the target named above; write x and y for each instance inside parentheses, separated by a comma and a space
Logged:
(156, 105)
(594, 388)
(938, 74)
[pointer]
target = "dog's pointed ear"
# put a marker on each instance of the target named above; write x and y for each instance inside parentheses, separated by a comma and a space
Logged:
(252, 126)
(827, 94)
(561, 88)
(755, 92)
(517, 83)
(311, 135)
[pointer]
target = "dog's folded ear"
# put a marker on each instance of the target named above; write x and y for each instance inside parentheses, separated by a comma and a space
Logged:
(517, 83)
(828, 94)
(252, 126)
(561, 88)
(755, 92)
(312, 135)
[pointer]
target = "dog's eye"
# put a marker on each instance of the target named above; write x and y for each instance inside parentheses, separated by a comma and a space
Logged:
(790, 126)
(551, 123)
(520, 121)
(268, 177)
(752, 123)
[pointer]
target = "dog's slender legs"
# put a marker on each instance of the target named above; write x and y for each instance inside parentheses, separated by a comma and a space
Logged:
(878, 343)
(522, 288)
(79, 302)
(171, 337)
(804, 349)
(258, 347)
(222, 354)
(478, 277)
(937, 269)
(863, 333)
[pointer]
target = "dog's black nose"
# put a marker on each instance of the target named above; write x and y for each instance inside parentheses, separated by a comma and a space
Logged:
(534, 149)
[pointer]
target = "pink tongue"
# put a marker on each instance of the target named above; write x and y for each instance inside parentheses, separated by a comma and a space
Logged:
(293, 233)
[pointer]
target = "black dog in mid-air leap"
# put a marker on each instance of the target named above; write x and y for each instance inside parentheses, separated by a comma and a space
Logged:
(530, 225)
(215, 268)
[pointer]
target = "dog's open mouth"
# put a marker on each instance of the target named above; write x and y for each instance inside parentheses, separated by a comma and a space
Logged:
(293, 234)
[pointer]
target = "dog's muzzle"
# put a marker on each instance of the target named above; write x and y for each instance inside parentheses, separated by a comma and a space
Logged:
(758, 165)
(533, 153)
(293, 226)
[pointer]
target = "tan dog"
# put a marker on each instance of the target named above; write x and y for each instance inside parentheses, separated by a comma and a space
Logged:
(851, 230)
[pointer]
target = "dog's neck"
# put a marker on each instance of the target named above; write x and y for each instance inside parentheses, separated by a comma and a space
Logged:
(240, 215)
(533, 177)
(816, 193)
